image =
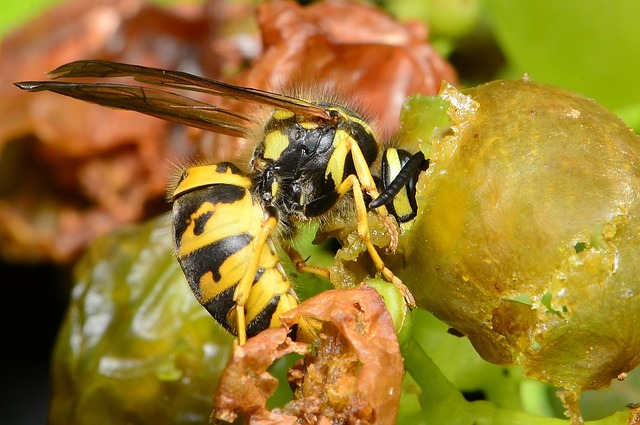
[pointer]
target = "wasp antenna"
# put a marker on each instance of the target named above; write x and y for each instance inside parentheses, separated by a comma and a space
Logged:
(416, 163)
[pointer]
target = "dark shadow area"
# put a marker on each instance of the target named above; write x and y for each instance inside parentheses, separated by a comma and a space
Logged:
(34, 300)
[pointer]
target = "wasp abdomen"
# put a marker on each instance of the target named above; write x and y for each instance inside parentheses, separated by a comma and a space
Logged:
(216, 222)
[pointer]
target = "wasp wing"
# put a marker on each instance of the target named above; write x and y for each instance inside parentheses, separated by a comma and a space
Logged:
(151, 101)
(186, 81)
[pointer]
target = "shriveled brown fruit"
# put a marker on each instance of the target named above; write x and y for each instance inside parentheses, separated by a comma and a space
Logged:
(344, 51)
(353, 50)
(72, 171)
(351, 373)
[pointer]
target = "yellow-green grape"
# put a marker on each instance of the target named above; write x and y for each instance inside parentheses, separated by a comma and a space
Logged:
(135, 346)
(527, 237)
(400, 312)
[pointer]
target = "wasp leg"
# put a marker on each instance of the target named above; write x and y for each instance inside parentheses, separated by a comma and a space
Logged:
(366, 182)
(242, 291)
(301, 264)
(363, 232)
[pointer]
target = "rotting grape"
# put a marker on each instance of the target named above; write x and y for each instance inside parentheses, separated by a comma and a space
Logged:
(528, 232)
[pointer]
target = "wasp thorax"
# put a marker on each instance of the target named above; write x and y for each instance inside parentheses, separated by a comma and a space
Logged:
(301, 161)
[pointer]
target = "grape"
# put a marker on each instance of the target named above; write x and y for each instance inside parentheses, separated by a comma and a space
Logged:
(528, 232)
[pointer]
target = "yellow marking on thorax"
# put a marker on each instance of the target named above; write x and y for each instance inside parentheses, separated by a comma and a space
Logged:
(282, 114)
(363, 123)
(275, 142)
(352, 118)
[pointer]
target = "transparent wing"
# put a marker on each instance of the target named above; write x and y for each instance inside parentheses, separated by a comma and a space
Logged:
(162, 103)
(185, 81)
(151, 101)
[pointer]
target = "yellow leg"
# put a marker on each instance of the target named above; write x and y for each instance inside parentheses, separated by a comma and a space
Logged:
(242, 324)
(241, 294)
(368, 185)
(363, 232)
(301, 264)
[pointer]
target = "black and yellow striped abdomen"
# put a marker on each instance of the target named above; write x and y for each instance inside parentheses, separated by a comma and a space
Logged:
(216, 222)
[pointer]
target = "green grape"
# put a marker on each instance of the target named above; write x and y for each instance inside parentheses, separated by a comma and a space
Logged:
(135, 347)
(528, 233)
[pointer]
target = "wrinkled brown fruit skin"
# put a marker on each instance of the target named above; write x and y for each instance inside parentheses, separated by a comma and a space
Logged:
(352, 371)
(539, 193)
(74, 171)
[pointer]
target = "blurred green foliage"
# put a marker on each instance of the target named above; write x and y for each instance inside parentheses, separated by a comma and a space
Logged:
(15, 13)
(590, 47)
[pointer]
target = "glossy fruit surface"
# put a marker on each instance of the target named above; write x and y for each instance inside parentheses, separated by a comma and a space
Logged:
(528, 233)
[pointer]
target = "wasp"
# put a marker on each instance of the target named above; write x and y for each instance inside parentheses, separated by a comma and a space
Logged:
(310, 159)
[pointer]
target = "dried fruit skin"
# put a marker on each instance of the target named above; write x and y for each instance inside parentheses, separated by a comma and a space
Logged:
(362, 319)
(537, 197)
(102, 168)
(351, 46)
(353, 373)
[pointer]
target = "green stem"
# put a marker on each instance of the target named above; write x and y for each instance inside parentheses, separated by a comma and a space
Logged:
(436, 388)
